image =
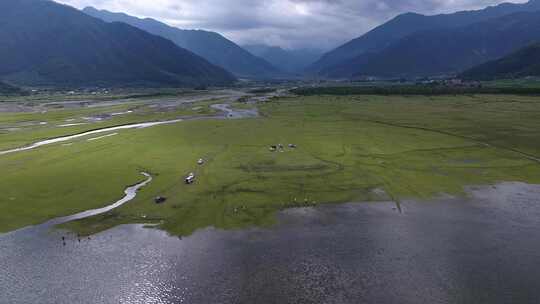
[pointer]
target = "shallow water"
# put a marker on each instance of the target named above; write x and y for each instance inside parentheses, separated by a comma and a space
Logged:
(485, 249)
(225, 108)
(84, 134)
(235, 113)
(129, 194)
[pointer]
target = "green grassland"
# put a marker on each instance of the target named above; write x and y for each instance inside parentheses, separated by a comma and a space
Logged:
(493, 88)
(55, 95)
(531, 82)
(36, 126)
(349, 148)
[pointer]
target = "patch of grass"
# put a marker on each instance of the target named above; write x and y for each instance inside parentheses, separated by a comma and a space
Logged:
(94, 95)
(262, 90)
(529, 82)
(35, 126)
(347, 149)
(428, 90)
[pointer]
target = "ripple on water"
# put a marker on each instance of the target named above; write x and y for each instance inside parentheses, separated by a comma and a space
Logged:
(446, 251)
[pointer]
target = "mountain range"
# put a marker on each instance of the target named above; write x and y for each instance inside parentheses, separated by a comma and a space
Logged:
(210, 45)
(413, 35)
(6, 89)
(446, 51)
(522, 63)
(49, 44)
(291, 61)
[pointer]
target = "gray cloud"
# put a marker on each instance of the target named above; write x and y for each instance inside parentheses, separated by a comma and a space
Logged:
(287, 23)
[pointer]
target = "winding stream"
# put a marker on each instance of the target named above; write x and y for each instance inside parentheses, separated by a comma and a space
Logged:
(98, 131)
(227, 112)
(235, 113)
(130, 194)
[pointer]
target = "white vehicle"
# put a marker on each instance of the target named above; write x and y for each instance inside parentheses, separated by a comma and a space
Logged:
(190, 179)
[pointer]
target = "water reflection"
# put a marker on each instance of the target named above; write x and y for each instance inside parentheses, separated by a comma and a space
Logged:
(482, 250)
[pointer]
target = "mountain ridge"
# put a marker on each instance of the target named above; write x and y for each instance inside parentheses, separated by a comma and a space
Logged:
(291, 61)
(407, 24)
(522, 63)
(46, 43)
(7, 89)
(210, 45)
(448, 51)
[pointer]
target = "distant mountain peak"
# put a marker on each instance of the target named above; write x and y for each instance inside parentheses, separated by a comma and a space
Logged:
(292, 61)
(407, 24)
(209, 45)
(45, 43)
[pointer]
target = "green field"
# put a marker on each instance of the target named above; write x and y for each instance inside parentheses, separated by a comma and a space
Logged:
(489, 88)
(36, 126)
(349, 149)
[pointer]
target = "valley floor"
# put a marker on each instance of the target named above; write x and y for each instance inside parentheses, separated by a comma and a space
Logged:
(348, 148)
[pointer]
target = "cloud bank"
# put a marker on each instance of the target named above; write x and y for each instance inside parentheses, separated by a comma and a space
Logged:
(321, 24)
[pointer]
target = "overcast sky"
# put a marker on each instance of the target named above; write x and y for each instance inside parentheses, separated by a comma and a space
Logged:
(287, 23)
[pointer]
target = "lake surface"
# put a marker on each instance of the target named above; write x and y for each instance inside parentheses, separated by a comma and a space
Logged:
(484, 249)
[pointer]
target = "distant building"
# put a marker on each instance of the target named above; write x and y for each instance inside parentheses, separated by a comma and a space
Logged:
(454, 82)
